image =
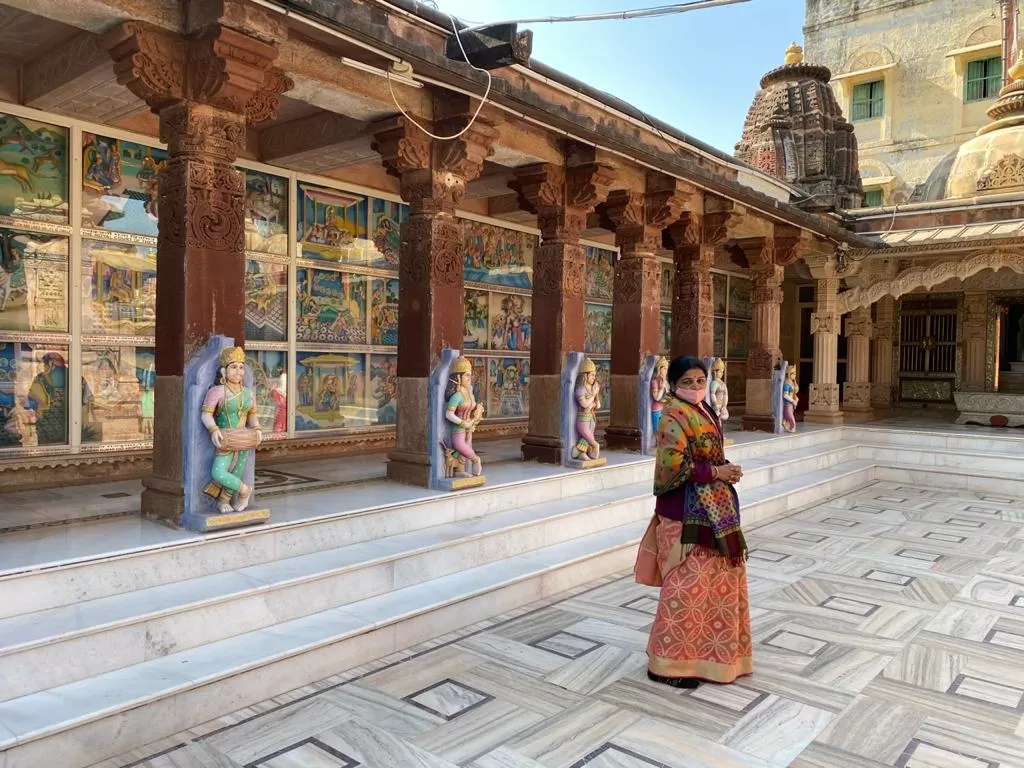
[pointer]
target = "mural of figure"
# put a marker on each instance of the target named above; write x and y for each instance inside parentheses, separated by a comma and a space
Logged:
(789, 399)
(229, 415)
(47, 395)
(21, 423)
(719, 390)
(306, 388)
(588, 403)
(659, 391)
(146, 411)
(330, 394)
(462, 412)
(280, 398)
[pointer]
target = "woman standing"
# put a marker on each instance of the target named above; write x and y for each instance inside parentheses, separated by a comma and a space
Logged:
(694, 548)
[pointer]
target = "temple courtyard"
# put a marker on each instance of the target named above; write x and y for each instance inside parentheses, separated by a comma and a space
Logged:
(888, 628)
(390, 626)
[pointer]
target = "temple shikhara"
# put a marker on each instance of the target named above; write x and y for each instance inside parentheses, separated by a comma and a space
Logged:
(326, 273)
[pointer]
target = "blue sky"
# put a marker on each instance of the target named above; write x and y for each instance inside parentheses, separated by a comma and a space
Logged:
(697, 71)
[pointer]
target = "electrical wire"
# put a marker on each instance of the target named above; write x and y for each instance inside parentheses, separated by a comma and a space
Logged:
(483, 99)
(639, 13)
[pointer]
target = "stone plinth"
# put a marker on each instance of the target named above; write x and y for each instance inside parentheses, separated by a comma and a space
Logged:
(990, 409)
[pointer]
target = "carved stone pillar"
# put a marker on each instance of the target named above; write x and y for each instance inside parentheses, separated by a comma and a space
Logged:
(431, 309)
(639, 218)
(881, 355)
(823, 407)
(205, 87)
(694, 238)
(763, 353)
(975, 334)
(561, 198)
(857, 390)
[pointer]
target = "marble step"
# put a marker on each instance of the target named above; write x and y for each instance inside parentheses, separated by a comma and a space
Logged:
(792, 461)
(361, 513)
(1000, 442)
(87, 721)
(48, 648)
(991, 486)
(979, 463)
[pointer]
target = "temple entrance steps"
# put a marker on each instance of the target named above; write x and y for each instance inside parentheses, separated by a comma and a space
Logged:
(104, 654)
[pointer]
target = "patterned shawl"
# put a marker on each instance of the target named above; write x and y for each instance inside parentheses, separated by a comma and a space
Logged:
(689, 435)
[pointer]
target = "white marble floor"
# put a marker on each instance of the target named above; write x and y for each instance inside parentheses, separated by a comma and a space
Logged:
(888, 629)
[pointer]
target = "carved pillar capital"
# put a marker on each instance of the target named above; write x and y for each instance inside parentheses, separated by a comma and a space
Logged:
(215, 66)
(858, 325)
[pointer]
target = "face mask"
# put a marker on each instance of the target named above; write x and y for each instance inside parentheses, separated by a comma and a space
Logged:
(692, 396)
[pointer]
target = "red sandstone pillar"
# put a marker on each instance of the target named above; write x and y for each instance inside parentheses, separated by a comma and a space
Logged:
(561, 198)
(431, 312)
(692, 301)
(201, 267)
(639, 218)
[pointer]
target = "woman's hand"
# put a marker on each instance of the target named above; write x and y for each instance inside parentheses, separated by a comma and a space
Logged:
(730, 473)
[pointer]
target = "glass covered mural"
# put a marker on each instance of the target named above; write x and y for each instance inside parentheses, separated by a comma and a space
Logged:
(731, 295)
(331, 225)
(119, 184)
(33, 281)
(597, 315)
(33, 170)
(266, 213)
(33, 394)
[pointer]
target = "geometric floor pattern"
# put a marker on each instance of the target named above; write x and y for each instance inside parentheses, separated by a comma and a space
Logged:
(888, 630)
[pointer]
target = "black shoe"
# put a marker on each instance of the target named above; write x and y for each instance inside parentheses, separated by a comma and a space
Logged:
(675, 682)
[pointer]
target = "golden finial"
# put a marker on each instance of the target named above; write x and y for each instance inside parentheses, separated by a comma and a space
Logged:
(1016, 72)
(794, 54)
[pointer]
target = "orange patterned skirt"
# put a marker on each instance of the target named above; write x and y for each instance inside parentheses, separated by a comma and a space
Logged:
(702, 627)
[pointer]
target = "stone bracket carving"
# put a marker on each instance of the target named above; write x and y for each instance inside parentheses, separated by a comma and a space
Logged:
(824, 323)
(216, 66)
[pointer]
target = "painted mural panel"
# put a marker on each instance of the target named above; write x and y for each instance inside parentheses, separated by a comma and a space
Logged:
(508, 393)
(386, 219)
(331, 306)
(666, 332)
(739, 332)
(119, 184)
(667, 281)
(604, 378)
(384, 312)
(331, 224)
(332, 391)
(119, 289)
(270, 384)
(720, 293)
(33, 170)
(480, 382)
(597, 330)
(736, 378)
(384, 388)
(476, 321)
(511, 322)
(33, 395)
(719, 338)
(266, 301)
(600, 273)
(266, 213)
(498, 256)
(33, 281)
(117, 393)
(739, 298)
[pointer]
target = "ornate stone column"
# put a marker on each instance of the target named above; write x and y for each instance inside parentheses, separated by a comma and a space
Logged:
(695, 239)
(763, 354)
(561, 198)
(638, 218)
(205, 87)
(857, 390)
(975, 333)
(881, 351)
(823, 407)
(431, 309)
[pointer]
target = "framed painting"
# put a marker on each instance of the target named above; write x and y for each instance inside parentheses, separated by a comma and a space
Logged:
(720, 293)
(719, 337)
(270, 385)
(33, 282)
(508, 388)
(597, 330)
(739, 333)
(666, 332)
(331, 391)
(331, 306)
(119, 184)
(266, 213)
(33, 395)
(736, 379)
(600, 273)
(384, 388)
(331, 224)
(34, 170)
(384, 312)
(497, 256)
(117, 393)
(511, 322)
(476, 322)
(386, 219)
(604, 378)
(266, 301)
(668, 273)
(739, 298)
(119, 289)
